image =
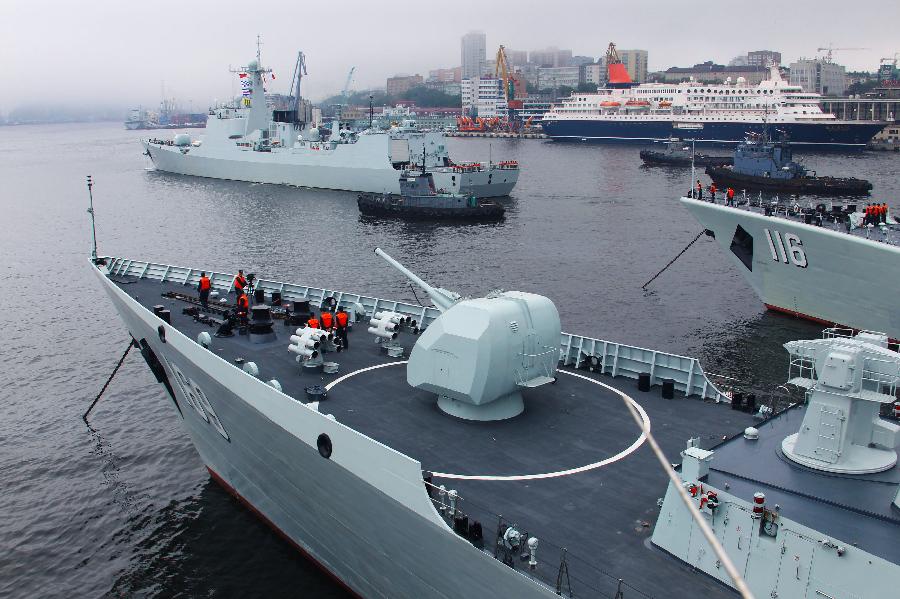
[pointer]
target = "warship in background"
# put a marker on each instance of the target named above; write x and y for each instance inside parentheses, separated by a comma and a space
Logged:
(822, 262)
(681, 153)
(139, 118)
(251, 142)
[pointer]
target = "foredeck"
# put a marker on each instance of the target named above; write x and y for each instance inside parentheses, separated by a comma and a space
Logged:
(571, 470)
(834, 217)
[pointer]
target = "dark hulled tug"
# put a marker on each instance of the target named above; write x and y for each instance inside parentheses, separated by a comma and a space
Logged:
(763, 164)
(418, 199)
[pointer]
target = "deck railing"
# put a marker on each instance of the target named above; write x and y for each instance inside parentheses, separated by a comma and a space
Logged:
(576, 351)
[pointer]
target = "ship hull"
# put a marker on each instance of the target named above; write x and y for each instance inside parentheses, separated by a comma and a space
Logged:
(727, 177)
(812, 272)
(363, 514)
(831, 136)
(346, 173)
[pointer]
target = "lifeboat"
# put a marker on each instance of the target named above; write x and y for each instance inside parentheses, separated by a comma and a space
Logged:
(665, 104)
(609, 104)
(637, 103)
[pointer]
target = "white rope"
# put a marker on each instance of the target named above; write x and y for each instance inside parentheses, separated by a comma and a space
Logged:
(739, 582)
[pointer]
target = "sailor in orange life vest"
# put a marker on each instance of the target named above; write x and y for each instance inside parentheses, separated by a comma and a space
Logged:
(699, 190)
(712, 192)
(327, 319)
(343, 320)
(729, 194)
(240, 282)
(313, 322)
(203, 288)
(243, 306)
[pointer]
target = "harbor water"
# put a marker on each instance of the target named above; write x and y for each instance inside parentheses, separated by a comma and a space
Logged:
(125, 508)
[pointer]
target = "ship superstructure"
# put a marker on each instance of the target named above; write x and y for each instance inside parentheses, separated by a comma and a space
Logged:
(808, 503)
(707, 113)
(248, 141)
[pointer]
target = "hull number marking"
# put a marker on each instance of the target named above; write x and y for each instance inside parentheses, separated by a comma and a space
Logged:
(197, 399)
(786, 248)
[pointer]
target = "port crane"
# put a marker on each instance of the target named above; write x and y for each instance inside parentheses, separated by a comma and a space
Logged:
(346, 91)
(299, 72)
(828, 51)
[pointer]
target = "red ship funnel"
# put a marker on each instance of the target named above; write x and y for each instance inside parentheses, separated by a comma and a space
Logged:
(618, 73)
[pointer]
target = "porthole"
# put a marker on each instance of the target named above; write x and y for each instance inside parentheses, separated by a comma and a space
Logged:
(324, 445)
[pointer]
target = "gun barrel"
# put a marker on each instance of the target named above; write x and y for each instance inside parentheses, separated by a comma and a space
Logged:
(440, 299)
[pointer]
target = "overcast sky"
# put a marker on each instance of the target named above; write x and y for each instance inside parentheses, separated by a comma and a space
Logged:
(120, 51)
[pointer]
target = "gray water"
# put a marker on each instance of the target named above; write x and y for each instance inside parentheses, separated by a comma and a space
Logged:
(127, 509)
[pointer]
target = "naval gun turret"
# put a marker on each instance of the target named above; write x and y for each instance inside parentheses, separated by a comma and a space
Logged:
(480, 353)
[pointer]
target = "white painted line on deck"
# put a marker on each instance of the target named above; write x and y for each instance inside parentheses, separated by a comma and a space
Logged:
(587, 467)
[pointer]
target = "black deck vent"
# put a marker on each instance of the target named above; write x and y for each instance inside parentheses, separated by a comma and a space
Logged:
(742, 247)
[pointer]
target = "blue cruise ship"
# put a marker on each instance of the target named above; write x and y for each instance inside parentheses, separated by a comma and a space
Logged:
(708, 113)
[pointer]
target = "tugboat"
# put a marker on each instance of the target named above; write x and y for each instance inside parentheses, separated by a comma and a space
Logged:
(419, 199)
(678, 153)
(760, 163)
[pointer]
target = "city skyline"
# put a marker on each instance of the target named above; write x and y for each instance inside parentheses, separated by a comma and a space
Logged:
(103, 55)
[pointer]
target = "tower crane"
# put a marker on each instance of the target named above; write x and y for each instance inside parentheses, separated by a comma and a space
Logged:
(831, 49)
(346, 90)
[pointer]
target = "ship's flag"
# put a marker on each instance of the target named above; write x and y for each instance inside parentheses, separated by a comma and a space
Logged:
(246, 87)
(242, 75)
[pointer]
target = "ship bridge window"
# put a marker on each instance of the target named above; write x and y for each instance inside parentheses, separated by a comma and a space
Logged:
(742, 247)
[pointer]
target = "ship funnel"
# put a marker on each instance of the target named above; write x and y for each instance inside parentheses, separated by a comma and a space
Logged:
(442, 298)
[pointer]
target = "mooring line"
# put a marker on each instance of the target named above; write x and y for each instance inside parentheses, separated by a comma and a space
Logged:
(672, 261)
(108, 381)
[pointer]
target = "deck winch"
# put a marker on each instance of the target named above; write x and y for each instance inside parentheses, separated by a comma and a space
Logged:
(480, 353)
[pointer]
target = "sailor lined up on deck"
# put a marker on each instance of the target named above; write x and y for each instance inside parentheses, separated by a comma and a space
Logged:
(712, 192)
(699, 190)
(203, 287)
(876, 213)
(313, 322)
(327, 319)
(729, 196)
(240, 282)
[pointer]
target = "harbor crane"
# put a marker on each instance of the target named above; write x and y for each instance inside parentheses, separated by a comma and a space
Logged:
(502, 72)
(299, 72)
(346, 91)
(831, 49)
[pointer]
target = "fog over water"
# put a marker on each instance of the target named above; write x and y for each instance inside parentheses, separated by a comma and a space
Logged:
(115, 53)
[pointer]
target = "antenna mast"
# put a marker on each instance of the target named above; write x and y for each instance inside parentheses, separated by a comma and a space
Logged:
(90, 184)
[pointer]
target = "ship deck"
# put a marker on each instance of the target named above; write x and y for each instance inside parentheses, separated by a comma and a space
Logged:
(887, 233)
(576, 475)
(855, 509)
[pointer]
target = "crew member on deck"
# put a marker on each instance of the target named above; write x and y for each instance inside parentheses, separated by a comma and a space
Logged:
(343, 321)
(243, 306)
(712, 192)
(313, 322)
(240, 282)
(884, 211)
(203, 288)
(327, 320)
(729, 194)
(699, 190)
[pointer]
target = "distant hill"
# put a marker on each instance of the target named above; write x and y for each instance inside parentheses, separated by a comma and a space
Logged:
(421, 96)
